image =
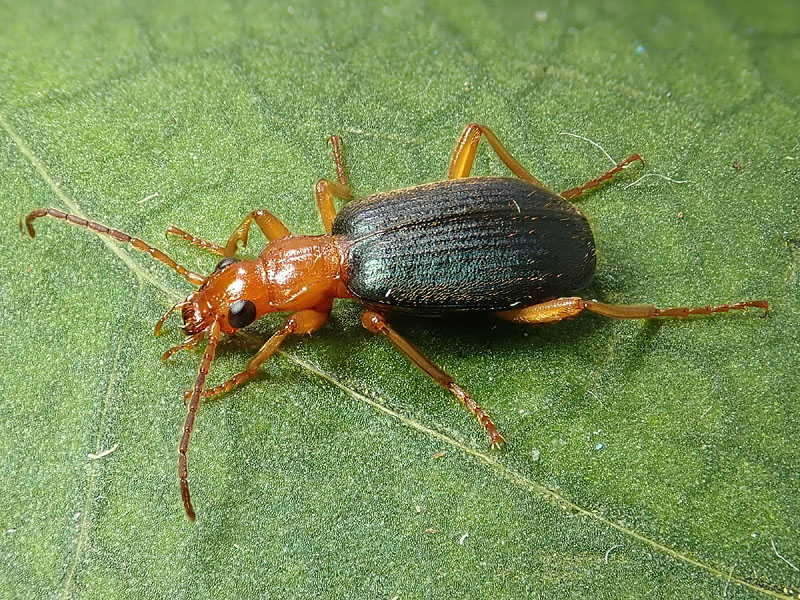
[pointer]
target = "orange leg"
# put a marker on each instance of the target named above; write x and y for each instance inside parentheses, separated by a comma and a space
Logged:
(577, 191)
(304, 321)
(467, 146)
(324, 190)
(269, 224)
(196, 241)
(565, 308)
(376, 323)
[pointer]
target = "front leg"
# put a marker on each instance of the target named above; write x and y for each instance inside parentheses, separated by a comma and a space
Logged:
(270, 226)
(304, 321)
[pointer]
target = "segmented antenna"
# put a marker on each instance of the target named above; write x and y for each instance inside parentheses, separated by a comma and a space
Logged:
(118, 235)
(188, 425)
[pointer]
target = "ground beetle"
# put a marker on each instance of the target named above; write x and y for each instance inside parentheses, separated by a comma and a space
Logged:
(509, 246)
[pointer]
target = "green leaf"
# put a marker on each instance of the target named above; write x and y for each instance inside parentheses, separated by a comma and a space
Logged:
(645, 459)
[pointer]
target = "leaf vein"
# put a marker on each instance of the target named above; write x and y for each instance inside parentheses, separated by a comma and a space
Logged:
(94, 467)
(25, 150)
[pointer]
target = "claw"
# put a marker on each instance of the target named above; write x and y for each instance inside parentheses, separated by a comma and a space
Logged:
(497, 442)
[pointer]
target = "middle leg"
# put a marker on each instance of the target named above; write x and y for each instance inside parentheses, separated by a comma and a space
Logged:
(377, 323)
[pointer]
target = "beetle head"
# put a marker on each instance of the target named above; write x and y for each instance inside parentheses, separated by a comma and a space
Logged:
(235, 294)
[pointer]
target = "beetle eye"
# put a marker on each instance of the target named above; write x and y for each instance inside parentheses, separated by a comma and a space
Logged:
(243, 312)
(225, 262)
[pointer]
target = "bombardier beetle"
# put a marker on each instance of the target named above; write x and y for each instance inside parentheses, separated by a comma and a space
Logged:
(506, 245)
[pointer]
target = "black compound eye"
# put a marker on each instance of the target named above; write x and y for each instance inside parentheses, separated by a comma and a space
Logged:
(225, 262)
(243, 312)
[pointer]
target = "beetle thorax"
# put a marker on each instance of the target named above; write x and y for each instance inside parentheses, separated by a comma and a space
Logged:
(302, 272)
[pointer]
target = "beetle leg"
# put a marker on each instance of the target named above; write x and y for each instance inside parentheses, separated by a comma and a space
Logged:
(165, 316)
(577, 191)
(466, 147)
(195, 241)
(325, 190)
(335, 142)
(304, 321)
(376, 323)
(270, 225)
(565, 308)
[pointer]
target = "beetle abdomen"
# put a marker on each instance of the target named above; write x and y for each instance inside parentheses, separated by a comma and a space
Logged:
(480, 243)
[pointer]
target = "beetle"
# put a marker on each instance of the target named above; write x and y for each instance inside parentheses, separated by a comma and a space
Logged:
(507, 245)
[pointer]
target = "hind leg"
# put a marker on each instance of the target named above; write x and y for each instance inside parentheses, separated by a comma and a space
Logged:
(577, 191)
(565, 308)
